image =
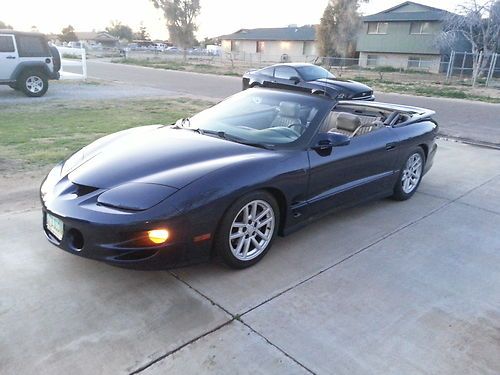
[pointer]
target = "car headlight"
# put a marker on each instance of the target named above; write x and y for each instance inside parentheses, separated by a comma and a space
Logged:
(72, 162)
(49, 182)
(136, 196)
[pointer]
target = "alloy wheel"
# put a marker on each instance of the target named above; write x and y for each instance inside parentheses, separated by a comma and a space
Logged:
(34, 84)
(412, 173)
(252, 230)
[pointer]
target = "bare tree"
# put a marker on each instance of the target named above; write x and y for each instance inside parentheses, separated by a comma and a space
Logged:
(180, 16)
(479, 23)
(338, 29)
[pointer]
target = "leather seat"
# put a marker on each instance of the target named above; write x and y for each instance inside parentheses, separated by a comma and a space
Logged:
(342, 122)
(288, 114)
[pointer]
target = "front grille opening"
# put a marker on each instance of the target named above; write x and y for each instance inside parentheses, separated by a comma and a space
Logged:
(82, 190)
(137, 255)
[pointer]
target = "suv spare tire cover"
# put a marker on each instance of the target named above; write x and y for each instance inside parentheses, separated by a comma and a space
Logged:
(56, 57)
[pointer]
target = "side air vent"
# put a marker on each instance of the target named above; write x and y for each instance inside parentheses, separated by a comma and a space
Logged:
(82, 190)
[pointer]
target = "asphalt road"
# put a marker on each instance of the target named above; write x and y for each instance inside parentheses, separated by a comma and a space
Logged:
(469, 120)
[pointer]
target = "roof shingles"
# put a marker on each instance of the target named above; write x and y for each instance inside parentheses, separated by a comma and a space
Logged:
(303, 33)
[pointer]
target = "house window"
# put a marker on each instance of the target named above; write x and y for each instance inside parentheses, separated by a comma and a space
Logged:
(377, 27)
(371, 60)
(417, 62)
(235, 45)
(420, 28)
(260, 46)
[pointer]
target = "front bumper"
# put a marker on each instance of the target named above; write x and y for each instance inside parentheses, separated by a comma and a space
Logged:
(126, 246)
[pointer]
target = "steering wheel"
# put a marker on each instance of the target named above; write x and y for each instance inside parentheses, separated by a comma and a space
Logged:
(300, 125)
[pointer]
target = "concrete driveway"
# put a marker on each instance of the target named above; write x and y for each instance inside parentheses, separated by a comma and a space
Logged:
(385, 288)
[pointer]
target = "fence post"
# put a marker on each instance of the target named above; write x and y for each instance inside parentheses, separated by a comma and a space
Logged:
(493, 63)
(478, 68)
(84, 64)
(450, 65)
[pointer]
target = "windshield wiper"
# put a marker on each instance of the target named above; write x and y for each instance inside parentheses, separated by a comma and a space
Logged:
(232, 138)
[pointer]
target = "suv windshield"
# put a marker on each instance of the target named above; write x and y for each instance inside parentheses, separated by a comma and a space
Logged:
(260, 117)
(313, 72)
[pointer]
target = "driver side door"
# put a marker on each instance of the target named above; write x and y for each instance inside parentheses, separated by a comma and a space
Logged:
(350, 174)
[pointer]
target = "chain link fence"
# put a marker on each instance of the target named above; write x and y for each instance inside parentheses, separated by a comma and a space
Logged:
(455, 68)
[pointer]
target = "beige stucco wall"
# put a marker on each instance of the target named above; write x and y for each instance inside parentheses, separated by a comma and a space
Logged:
(399, 60)
(272, 50)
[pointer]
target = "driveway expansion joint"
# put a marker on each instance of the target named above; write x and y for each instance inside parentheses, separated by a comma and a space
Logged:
(367, 247)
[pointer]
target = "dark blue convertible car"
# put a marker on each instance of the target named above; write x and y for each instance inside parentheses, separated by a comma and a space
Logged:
(228, 180)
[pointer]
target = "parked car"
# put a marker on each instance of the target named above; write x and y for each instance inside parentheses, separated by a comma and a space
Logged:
(228, 180)
(27, 62)
(307, 78)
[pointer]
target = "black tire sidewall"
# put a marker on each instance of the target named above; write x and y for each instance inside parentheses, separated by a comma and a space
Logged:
(399, 193)
(21, 83)
(221, 244)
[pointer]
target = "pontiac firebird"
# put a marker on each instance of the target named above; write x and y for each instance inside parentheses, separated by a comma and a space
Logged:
(226, 181)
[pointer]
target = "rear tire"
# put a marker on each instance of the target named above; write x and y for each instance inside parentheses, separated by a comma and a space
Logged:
(410, 175)
(248, 230)
(33, 83)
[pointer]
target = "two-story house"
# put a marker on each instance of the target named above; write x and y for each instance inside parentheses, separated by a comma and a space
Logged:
(404, 37)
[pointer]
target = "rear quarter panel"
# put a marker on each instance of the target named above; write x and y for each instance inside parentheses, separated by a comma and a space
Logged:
(420, 134)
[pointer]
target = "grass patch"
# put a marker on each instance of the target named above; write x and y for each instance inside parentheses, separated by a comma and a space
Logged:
(33, 136)
(434, 89)
(180, 65)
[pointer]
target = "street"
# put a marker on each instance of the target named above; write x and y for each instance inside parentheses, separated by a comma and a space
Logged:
(465, 119)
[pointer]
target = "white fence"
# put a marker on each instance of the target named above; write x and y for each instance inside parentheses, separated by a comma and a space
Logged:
(73, 57)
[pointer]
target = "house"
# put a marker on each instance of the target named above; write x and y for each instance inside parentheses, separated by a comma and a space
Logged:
(273, 44)
(97, 39)
(405, 37)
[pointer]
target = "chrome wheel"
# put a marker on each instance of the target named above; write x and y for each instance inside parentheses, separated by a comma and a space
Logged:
(412, 173)
(252, 230)
(34, 84)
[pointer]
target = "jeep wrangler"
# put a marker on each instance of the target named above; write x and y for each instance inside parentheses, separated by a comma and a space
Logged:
(27, 62)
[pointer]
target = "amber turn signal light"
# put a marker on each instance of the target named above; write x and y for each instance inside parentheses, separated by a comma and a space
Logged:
(158, 236)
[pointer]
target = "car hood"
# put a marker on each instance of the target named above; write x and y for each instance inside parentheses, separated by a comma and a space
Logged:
(351, 86)
(157, 155)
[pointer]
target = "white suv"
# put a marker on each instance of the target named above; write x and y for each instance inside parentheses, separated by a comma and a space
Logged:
(27, 62)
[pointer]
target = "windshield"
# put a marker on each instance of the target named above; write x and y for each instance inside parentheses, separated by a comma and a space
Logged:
(313, 72)
(259, 117)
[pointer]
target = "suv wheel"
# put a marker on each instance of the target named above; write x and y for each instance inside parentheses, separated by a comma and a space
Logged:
(33, 83)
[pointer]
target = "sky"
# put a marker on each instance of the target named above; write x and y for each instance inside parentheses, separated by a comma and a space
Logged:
(217, 17)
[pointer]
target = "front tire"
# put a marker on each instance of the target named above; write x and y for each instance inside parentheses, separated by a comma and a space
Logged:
(410, 175)
(34, 84)
(248, 230)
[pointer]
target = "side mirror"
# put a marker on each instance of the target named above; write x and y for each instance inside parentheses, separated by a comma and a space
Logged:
(326, 141)
(295, 79)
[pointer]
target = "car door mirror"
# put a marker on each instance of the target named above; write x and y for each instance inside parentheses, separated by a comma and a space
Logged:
(295, 79)
(326, 141)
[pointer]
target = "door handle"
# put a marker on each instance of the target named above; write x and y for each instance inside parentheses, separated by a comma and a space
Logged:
(390, 146)
(11, 57)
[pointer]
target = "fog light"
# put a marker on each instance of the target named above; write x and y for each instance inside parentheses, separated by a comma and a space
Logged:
(158, 235)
